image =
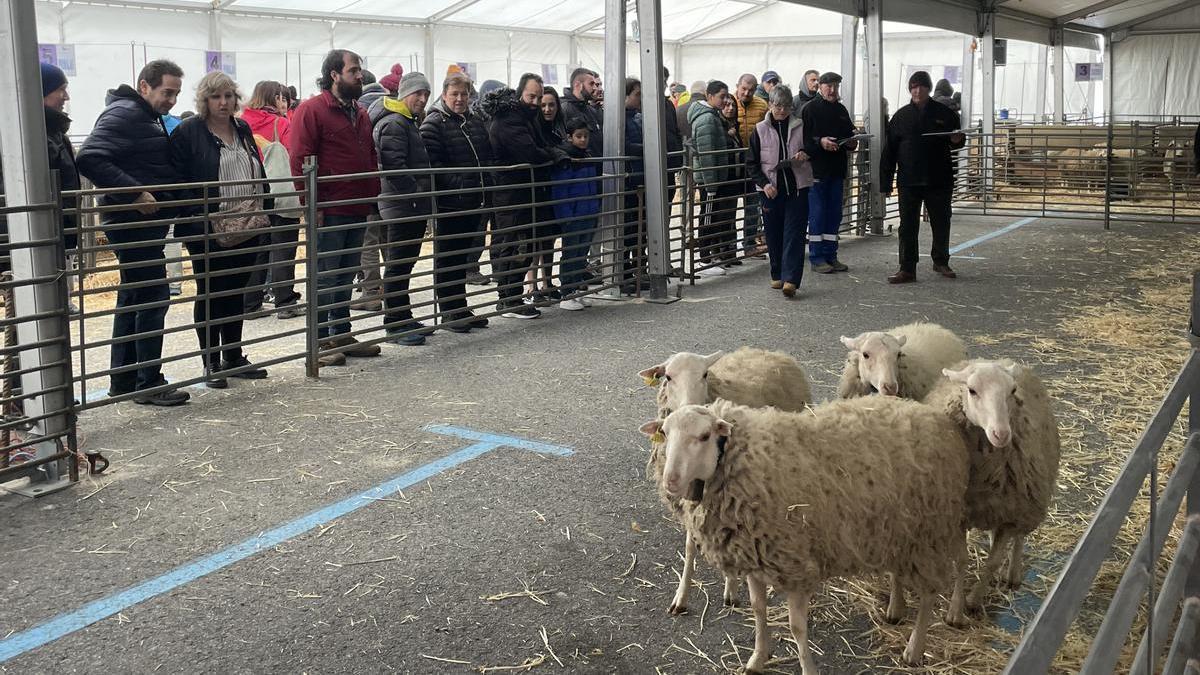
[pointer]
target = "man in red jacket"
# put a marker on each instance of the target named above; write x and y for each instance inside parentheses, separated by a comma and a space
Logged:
(335, 129)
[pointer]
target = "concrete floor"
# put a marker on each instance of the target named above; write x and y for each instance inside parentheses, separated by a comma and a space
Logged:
(415, 581)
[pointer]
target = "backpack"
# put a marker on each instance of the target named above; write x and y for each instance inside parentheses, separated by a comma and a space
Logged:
(278, 164)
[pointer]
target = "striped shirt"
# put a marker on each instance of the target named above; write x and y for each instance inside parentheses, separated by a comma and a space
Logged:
(236, 165)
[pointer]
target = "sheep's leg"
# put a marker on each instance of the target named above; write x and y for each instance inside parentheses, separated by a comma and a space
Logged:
(896, 606)
(1016, 572)
(762, 634)
(915, 652)
(732, 583)
(1000, 539)
(798, 620)
(680, 603)
(956, 615)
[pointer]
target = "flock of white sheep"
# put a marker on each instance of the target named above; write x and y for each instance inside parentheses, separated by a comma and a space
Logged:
(920, 446)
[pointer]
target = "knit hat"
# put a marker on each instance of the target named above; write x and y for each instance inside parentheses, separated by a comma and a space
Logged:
(699, 87)
(413, 82)
(391, 81)
(52, 78)
(920, 79)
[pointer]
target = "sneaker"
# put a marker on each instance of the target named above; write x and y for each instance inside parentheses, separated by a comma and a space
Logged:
(216, 383)
(72, 309)
(399, 335)
(464, 327)
(163, 399)
(522, 312)
(176, 289)
(356, 348)
(839, 266)
(335, 359)
(712, 272)
(367, 302)
(552, 293)
(733, 263)
(789, 289)
(473, 321)
(584, 300)
(291, 311)
(571, 305)
(252, 374)
(474, 278)
(823, 268)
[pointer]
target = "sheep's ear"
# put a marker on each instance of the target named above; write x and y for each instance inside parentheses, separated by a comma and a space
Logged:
(652, 374)
(850, 343)
(724, 428)
(955, 375)
(901, 339)
(651, 428)
(1010, 368)
(713, 358)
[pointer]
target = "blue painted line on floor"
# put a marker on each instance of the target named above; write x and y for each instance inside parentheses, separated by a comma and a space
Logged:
(103, 608)
(992, 235)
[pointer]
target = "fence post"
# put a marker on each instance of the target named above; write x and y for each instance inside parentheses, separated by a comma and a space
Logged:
(688, 236)
(311, 368)
(1108, 166)
(1192, 587)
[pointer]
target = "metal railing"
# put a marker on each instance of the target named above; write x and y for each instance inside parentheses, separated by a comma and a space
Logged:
(1043, 637)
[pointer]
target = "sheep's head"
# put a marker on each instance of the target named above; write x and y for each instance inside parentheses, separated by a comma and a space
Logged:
(690, 438)
(684, 378)
(878, 355)
(989, 397)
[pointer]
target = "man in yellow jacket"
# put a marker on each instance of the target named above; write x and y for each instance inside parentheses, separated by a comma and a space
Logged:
(751, 111)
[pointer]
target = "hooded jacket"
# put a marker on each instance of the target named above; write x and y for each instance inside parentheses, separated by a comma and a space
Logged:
(399, 145)
(372, 93)
(196, 155)
(264, 122)
(582, 195)
(517, 139)
(674, 135)
(943, 93)
(128, 147)
(574, 108)
(708, 135)
(342, 144)
(454, 140)
(62, 160)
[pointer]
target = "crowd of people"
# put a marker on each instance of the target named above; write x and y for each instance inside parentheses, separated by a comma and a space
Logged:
(781, 156)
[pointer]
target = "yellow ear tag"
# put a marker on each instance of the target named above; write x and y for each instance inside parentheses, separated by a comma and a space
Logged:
(658, 437)
(650, 381)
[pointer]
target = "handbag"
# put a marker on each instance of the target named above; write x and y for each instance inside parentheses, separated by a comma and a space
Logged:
(235, 225)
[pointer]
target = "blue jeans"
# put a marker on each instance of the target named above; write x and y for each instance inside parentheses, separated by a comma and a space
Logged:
(784, 220)
(146, 265)
(824, 219)
(751, 205)
(577, 236)
(337, 270)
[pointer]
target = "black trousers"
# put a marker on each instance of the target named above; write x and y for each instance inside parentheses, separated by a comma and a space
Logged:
(545, 233)
(512, 234)
(937, 202)
(280, 277)
(633, 244)
(400, 255)
(220, 271)
(451, 258)
(139, 264)
(717, 234)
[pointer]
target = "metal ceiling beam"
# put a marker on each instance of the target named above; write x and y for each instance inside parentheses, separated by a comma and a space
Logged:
(457, 7)
(752, 9)
(1166, 11)
(1090, 9)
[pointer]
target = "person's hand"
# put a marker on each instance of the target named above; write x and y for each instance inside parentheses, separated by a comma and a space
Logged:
(958, 139)
(852, 146)
(147, 205)
(281, 103)
(829, 144)
(801, 156)
(771, 192)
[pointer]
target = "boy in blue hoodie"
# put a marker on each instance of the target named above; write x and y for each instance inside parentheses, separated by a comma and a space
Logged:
(577, 212)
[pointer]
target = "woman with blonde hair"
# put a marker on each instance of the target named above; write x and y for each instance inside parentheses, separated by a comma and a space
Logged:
(216, 146)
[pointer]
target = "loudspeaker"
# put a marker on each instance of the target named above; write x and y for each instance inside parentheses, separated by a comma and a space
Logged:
(1001, 52)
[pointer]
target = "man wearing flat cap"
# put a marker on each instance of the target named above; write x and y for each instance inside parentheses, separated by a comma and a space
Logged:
(921, 138)
(827, 126)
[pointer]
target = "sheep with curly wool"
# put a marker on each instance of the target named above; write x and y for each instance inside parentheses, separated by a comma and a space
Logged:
(1006, 414)
(749, 376)
(905, 361)
(850, 488)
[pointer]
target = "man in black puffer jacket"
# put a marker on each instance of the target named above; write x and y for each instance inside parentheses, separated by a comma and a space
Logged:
(579, 103)
(129, 148)
(455, 137)
(517, 139)
(395, 124)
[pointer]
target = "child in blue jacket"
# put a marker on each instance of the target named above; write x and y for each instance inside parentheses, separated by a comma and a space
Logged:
(577, 213)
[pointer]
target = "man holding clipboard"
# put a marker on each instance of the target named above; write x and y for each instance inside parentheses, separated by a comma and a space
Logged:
(921, 137)
(829, 136)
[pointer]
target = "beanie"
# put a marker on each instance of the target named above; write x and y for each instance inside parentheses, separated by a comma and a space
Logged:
(52, 78)
(391, 81)
(920, 78)
(411, 83)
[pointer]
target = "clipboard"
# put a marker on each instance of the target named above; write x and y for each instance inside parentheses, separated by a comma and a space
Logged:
(964, 132)
(856, 137)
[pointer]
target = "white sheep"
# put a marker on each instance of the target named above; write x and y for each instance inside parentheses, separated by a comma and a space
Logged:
(851, 488)
(1012, 435)
(906, 361)
(749, 376)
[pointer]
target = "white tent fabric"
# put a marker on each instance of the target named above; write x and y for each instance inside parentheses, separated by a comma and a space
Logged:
(1155, 73)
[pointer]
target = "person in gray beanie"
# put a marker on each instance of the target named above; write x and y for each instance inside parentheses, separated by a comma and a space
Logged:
(396, 128)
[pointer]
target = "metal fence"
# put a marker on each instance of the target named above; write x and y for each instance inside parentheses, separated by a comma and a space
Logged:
(1140, 589)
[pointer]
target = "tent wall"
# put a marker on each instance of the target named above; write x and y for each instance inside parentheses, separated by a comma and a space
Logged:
(1157, 75)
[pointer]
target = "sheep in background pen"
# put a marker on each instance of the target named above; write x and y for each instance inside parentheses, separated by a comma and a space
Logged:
(905, 361)
(851, 488)
(1006, 414)
(749, 376)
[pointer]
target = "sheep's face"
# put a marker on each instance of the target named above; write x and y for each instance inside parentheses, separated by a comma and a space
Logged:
(989, 398)
(684, 378)
(689, 437)
(878, 355)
